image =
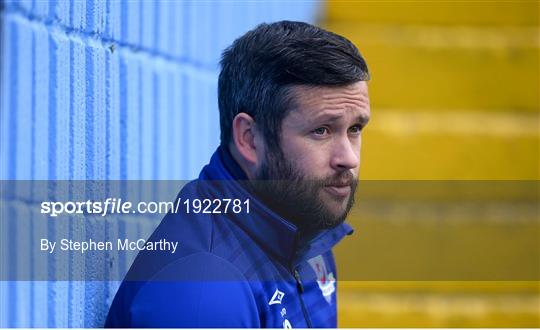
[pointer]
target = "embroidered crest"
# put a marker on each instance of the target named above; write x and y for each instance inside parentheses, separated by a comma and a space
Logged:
(325, 280)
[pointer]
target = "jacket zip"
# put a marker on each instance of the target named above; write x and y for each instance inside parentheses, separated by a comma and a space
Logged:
(300, 288)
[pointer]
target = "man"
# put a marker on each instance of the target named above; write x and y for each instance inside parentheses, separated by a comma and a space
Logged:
(293, 101)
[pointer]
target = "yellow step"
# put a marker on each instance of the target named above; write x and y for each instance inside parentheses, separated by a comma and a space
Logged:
(441, 242)
(436, 12)
(491, 310)
(452, 67)
(401, 145)
(440, 287)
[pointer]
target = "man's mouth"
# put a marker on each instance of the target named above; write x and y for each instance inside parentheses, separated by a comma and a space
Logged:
(339, 190)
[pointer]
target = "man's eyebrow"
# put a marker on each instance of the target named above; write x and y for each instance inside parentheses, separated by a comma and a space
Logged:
(361, 118)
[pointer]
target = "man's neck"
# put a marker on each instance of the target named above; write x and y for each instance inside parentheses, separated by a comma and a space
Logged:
(233, 154)
(232, 162)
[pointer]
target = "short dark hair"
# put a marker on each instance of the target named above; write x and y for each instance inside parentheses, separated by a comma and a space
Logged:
(259, 69)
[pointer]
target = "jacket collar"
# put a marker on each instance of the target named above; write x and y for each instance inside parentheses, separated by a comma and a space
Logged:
(274, 233)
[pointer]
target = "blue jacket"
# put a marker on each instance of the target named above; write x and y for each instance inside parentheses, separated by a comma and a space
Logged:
(230, 270)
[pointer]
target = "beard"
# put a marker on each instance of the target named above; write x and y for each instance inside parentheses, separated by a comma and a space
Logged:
(287, 191)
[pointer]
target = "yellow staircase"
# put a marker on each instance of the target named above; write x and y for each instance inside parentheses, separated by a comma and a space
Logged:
(455, 94)
(454, 89)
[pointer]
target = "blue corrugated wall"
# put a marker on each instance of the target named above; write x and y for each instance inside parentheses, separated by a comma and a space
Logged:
(106, 90)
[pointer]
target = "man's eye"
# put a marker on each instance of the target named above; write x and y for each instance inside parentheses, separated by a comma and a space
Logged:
(320, 131)
(356, 129)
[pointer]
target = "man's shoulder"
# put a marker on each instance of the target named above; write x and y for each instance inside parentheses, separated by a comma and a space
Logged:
(212, 271)
(198, 290)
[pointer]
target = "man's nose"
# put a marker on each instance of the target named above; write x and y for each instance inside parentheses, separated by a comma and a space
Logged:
(346, 155)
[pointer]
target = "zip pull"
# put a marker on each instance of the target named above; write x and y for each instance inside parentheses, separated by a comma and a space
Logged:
(298, 281)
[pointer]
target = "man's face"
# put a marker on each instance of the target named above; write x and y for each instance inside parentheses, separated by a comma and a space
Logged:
(311, 180)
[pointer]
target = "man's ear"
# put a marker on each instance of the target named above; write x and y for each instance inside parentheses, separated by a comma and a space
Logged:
(245, 139)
